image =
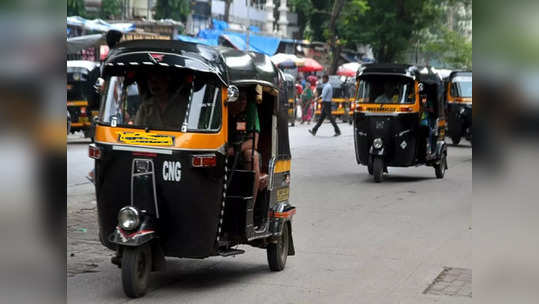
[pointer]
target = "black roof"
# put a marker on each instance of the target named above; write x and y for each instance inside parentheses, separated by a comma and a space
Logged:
(388, 69)
(459, 73)
(228, 65)
(407, 70)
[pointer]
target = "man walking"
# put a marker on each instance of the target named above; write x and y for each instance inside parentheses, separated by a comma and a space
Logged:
(327, 95)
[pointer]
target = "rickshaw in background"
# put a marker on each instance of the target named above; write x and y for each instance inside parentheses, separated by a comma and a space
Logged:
(82, 98)
(459, 106)
(399, 119)
(340, 100)
(290, 87)
(176, 186)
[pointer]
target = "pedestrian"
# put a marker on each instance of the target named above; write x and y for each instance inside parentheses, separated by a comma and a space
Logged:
(306, 101)
(327, 95)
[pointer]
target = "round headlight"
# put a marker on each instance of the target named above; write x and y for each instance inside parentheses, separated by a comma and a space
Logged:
(377, 143)
(128, 218)
(76, 76)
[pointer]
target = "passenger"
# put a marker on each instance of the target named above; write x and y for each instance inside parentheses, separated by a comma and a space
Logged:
(246, 124)
(389, 95)
(165, 105)
(428, 121)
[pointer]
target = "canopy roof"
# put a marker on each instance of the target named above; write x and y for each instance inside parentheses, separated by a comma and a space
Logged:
(230, 66)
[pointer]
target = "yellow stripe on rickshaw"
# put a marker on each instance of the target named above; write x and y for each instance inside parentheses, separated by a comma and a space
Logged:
(77, 103)
(338, 99)
(282, 166)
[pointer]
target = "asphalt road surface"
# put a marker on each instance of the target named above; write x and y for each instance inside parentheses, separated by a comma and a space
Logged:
(406, 240)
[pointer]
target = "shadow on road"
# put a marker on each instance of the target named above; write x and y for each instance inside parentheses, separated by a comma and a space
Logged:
(215, 274)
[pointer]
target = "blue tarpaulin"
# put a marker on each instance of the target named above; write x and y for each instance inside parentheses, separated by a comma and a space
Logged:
(192, 39)
(257, 43)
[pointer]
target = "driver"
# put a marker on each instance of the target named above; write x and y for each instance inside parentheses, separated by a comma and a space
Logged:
(165, 104)
(390, 94)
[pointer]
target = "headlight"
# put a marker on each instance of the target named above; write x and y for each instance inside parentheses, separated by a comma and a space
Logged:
(76, 76)
(128, 218)
(377, 143)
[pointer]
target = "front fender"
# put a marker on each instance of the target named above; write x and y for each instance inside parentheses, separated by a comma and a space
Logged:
(374, 151)
(144, 234)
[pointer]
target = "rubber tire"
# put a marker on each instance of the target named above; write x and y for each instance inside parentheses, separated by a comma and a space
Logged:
(369, 169)
(378, 169)
(134, 277)
(455, 140)
(440, 168)
(278, 252)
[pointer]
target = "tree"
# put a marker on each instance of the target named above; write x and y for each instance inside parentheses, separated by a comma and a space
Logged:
(76, 8)
(391, 26)
(304, 10)
(110, 9)
(172, 9)
(334, 48)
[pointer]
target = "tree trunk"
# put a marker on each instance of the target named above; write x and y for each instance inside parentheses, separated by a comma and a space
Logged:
(227, 10)
(333, 47)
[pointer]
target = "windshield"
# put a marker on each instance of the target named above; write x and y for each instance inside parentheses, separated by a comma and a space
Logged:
(461, 87)
(386, 90)
(161, 101)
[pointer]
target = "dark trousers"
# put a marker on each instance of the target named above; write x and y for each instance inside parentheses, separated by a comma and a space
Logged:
(326, 112)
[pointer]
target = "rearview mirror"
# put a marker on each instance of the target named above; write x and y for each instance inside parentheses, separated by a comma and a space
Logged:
(233, 93)
(98, 86)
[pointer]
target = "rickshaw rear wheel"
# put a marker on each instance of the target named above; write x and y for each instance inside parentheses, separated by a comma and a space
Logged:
(278, 252)
(378, 169)
(136, 268)
(439, 169)
(455, 140)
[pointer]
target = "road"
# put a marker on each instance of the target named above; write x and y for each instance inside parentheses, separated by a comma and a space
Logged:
(356, 241)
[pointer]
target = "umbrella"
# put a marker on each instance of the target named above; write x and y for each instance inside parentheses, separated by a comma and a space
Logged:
(287, 64)
(348, 69)
(281, 57)
(310, 65)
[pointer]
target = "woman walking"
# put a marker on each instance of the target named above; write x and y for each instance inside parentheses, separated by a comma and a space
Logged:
(306, 101)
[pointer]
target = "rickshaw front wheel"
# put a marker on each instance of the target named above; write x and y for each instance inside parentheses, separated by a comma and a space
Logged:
(278, 252)
(378, 169)
(439, 169)
(136, 268)
(455, 140)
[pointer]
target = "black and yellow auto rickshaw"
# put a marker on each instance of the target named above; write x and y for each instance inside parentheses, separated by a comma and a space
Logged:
(459, 106)
(290, 86)
(399, 119)
(177, 187)
(340, 102)
(82, 98)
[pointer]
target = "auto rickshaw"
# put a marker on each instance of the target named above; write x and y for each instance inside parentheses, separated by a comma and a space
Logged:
(82, 98)
(178, 189)
(340, 100)
(459, 106)
(289, 83)
(399, 119)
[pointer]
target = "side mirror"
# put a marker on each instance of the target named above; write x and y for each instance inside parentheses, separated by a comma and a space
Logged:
(98, 86)
(233, 93)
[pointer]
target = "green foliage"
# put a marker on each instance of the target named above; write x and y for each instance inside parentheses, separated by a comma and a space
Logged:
(172, 9)
(304, 10)
(76, 8)
(110, 9)
(390, 26)
(451, 48)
